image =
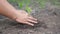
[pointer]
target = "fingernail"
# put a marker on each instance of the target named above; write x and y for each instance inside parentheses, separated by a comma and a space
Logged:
(32, 24)
(36, 22)
(35, 19)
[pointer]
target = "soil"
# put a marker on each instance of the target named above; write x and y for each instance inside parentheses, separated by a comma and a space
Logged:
(48, 22)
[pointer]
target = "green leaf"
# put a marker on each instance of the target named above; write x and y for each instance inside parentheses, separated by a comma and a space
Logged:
(28, 9)
(20, 5)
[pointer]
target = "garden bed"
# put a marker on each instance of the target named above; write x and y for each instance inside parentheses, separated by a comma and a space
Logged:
(48, 22)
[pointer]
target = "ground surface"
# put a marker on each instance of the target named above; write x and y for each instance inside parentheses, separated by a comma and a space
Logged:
(48, 22)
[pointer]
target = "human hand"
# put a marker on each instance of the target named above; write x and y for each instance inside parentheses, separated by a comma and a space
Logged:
(25, 18)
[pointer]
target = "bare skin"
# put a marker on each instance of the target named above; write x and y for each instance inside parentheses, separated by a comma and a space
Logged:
(20, 16)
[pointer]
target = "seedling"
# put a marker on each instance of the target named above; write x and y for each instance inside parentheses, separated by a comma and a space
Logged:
(26, 3)
(21, 3)
(28, 9)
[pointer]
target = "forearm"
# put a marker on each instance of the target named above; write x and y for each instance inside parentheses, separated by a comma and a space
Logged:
(7, 10)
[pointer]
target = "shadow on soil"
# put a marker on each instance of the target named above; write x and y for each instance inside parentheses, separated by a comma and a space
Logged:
(24, 26)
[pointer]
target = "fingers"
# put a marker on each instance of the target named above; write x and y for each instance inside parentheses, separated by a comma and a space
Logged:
(25, 22)
(32, 18)
(32, 21)
(29, 23)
